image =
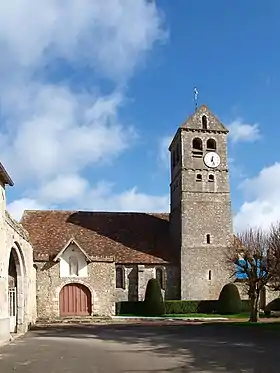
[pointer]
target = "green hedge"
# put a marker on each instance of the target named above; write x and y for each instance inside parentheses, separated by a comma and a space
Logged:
(245, 305)
(176, 307)
(190, 306)
(130, 308)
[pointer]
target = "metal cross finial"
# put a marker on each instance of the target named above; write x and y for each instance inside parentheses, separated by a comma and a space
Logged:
(195, 97)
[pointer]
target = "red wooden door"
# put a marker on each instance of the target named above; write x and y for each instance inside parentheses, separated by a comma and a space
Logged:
(75, 300)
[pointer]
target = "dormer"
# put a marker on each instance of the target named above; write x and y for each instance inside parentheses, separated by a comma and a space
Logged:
(73, 260)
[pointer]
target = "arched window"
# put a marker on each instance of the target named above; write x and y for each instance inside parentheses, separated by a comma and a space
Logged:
(204, 122)
(211, 144)
(208, 238)
(120, 279)
(197, 144)
(211, 178)
(73, 266)
(198, 177)
(160, 276)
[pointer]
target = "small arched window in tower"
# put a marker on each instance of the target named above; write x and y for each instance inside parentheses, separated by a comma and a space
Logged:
(197, 147)
(73, 266)
(211, 144)
(211, 178)
(198, 177)
(208, 240)
(204, 122)
(120, 278)
(160, 276)
(197, 144)
(210, 275)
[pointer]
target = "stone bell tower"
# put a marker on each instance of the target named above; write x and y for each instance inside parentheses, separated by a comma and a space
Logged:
(200, 216)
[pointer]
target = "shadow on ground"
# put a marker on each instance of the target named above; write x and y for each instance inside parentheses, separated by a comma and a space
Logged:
(210, 347)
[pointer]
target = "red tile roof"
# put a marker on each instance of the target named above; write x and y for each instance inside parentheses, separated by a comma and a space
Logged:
(128, 237)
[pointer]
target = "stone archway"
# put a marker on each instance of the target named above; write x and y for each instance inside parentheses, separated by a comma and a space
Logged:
(16, 293)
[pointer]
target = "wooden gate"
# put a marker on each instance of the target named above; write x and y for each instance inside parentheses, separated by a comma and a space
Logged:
(75, 300)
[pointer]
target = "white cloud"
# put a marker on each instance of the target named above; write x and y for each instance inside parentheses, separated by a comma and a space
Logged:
(236, 169)
(99, 198)
(64, 188)
(164, 154)
(240, 131)
(109, 35)
(129, 200)
(17, 207)
(263, 200)
(50, 132)
(62, 132)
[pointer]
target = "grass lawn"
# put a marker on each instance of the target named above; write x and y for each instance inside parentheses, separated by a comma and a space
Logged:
(243, 315)
(210, 315)
(198, 315)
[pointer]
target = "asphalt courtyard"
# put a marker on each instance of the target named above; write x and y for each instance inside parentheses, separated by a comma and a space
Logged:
(143, 347)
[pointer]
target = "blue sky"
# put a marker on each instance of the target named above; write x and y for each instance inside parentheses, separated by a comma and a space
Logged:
(91, 93)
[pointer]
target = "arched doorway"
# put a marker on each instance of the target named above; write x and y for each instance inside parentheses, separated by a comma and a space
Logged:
(75, 300)
(15, 289)
(12, 278)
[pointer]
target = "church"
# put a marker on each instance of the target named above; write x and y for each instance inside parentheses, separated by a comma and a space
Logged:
(78, 263)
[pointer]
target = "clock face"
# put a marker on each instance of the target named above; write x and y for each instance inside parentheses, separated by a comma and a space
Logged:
(212, 159)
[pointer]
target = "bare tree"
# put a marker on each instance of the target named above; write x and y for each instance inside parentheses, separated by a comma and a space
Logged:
(254, 256)
(273, 256)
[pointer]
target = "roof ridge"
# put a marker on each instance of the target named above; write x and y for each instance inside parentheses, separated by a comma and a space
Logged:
(98, 212)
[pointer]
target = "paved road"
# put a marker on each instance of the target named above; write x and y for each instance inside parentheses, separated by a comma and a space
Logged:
(143, 348)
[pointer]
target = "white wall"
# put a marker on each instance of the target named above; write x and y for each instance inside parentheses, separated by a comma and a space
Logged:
(73, 250)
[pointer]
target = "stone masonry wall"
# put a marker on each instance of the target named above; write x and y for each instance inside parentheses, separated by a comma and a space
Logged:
(100, 281)
(14, 240)
(205, 273)
(130, 291)
(137, 277)
(26, 297)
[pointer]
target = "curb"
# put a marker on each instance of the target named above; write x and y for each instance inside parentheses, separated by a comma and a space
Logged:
(170, 318)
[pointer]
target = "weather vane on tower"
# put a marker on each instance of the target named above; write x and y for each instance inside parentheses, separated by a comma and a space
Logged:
(195, 92)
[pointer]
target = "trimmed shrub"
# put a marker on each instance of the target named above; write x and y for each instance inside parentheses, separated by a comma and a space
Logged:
(181, 306)
(130, 308)
(207, 306)
(272, 306)
(229, 300)
(176, 307)
(153, 304)
(190, 306)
